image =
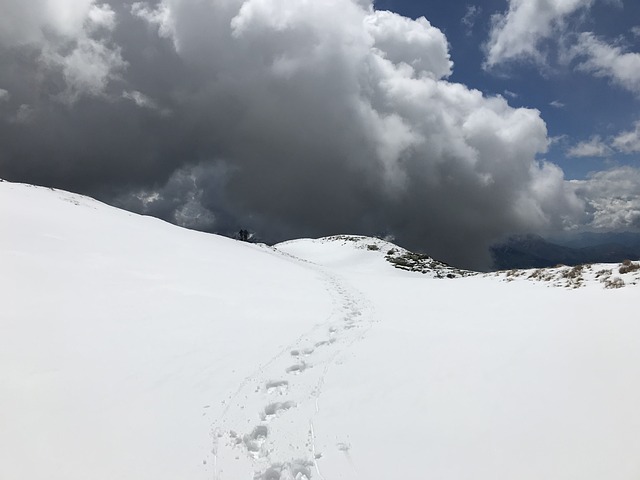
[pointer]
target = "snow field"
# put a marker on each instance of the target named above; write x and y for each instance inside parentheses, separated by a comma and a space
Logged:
(132, 349)
(121, 335)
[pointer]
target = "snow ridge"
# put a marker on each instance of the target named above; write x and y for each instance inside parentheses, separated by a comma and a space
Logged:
(357, 250)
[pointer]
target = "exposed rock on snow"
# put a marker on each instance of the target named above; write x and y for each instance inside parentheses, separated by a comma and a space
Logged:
(625, 274)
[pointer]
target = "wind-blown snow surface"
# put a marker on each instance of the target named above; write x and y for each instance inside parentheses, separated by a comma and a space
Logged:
(133, 349)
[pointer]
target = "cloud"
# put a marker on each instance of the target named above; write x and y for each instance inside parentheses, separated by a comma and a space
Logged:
(158, 16)
(612, 198)
(629, 141)
(535, 30)
(25, 23)
(511, 94)
(188, 198)
(4, 95)
(557, 104)
(70, 38)
(518, 33)
(558, 139)
(286, 118)
(413, 42)
(87, 69)
(470, 17)
(144, 101)
(24, 114)
(101, 17)
(608, 61)
(594, 147)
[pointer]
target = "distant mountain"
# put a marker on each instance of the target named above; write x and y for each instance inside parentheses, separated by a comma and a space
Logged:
(593, 239)
(533, 251)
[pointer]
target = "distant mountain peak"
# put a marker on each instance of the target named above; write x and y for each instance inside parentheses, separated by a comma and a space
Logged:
(533, 251)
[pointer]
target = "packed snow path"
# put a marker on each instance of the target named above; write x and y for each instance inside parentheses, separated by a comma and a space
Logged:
(267, 425)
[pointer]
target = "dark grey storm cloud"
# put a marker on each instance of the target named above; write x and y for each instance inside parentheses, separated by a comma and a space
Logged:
(288, 117)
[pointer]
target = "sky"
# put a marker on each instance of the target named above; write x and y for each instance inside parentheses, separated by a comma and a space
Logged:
(577, 64)
(446, 126)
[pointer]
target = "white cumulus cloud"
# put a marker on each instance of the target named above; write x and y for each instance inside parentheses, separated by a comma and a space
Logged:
(608, 60)
(517, 34)
(594, 147)
(413, 42)
(612, 197)
(629, 141)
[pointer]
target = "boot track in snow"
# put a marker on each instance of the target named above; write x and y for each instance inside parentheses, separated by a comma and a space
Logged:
(267, 424)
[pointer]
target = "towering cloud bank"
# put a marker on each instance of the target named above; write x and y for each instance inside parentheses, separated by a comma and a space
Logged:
(291, 117)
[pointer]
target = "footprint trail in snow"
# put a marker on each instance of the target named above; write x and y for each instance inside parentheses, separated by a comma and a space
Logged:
(267, 426)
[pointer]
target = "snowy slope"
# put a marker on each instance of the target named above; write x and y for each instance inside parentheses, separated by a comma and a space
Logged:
(133, 349)
(367, 254)
(120, 336)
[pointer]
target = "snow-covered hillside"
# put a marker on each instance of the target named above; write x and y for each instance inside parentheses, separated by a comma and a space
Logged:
(134, 349)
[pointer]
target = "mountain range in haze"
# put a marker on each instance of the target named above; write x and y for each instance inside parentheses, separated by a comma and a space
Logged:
(533, 251)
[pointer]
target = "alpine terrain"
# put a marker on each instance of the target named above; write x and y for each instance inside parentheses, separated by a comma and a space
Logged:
(133, 349)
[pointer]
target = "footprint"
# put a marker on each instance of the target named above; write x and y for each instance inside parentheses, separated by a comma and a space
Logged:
(325, 342)
(273, 408)
(255, 440)
(235, 439)
(299, 469)
(297, 368)
(277, 386)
